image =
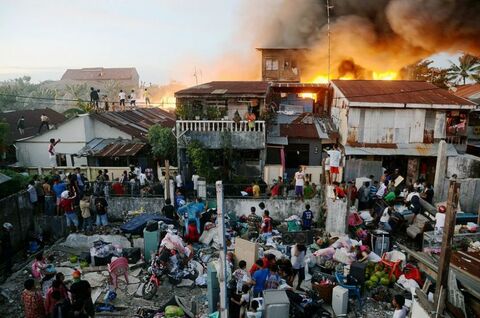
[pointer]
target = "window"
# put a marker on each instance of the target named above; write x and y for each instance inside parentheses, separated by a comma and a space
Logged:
(271, 65)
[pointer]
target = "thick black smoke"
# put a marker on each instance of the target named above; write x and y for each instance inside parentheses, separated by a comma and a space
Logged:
(378, 35)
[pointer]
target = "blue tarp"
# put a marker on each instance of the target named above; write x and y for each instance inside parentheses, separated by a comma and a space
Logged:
(137, 224)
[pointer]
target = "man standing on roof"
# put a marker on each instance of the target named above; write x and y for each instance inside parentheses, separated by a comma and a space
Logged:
(133, 98)
(94, 98)
(44, 121)
(21, 125)
(122, 97)
(146, 95)
(51, 152)
(335, 158)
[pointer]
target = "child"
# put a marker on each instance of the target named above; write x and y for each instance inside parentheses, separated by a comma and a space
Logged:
(244, 300)
(400, 310)
(253, 313)
(38, 266)
(241, 275)
(32, 300)
(86, 215)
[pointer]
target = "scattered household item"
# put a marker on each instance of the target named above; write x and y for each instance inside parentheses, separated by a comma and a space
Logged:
(118, 267)
(133, 255)
(380, 242)
(340, 301)
(276, 303)
(353, 289)
(137, 225)
(417, 227)
(394, 260)
(151, 241)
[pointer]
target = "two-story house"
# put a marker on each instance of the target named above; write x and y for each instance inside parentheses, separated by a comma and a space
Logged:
(397, 124)
(282, 64)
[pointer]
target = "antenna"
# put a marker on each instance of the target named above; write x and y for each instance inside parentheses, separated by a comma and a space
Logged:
(328, 33)
(195, 74)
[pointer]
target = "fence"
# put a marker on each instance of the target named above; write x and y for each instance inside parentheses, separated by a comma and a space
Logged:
(218, 126)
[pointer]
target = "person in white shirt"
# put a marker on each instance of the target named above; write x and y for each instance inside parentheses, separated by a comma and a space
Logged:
(400, 310)
(179, 181)
(328, 180)
(440, 219)
(298, 263)
(122, 96)
(385, 218)
(195, 183)
(133, 98)
(381, 190)
(299, 181)
(335, 158)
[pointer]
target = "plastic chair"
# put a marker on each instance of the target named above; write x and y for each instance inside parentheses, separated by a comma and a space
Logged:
(118, 268)
(393, 260)
(352, 289)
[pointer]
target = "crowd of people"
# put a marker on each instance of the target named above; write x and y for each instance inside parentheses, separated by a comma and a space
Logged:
(102, 102)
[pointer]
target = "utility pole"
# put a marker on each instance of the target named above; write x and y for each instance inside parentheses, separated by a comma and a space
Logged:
(195, 74)
(444, 262)
(328, 34)
(223, 252)
(167, 179)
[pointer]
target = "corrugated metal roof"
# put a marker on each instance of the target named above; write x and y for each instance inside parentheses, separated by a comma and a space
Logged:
(137, 122)
(32, 121)
(397, 92)
(471, 91)
(100, 73)
(100, 147)
(217, 88)
(414, 149)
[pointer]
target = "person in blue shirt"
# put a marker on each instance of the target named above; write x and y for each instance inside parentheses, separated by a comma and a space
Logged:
(58, 188)
(259, 278)
(179, 199)
(307, 218)
(192, 213)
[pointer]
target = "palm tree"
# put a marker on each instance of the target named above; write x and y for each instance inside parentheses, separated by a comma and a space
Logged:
(468, 68)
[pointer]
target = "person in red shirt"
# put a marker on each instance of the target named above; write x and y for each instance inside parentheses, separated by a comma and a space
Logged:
(117, 188)
(275, 190)
(267, 223)
(32, 300)
(339, 192)
(66, 204)
(256, 266)
(268, 260)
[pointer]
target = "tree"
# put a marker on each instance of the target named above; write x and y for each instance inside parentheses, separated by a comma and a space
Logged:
(163, 143)
(468, 68)
(4, 132)
(200, 159)
(422, 71)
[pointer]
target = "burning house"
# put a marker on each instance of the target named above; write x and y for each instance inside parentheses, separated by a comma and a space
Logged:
(397, 124)
(282, 64)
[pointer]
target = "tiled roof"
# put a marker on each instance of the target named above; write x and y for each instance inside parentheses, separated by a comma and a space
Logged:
(397, 92)
(137, 122)
(225, 88)
(100, 73)
(32, 121)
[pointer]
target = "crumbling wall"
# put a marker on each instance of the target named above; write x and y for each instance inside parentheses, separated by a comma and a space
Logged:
(336, 221)
(356, 168)
(464, 166)
(17, 210)
(279, 208)
(469, 194)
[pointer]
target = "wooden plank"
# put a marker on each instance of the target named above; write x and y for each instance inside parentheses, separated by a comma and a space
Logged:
(448, 230)
(246, 250)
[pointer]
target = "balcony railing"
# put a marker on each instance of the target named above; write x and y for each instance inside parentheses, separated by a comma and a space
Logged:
(219, 126)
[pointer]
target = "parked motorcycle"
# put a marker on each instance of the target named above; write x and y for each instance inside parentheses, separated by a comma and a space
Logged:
(174, 270)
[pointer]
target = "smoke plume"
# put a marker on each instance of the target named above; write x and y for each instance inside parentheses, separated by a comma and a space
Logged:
(366, 35)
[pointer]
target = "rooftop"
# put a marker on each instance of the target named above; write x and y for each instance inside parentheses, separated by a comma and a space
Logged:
(226, 88)
(397, 92)
(100, 73)
(100, 147)
(137, 122)
(32, 121)
(470, 91)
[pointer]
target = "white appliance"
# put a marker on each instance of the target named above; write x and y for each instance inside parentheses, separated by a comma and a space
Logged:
(276, 303)
(340, 301)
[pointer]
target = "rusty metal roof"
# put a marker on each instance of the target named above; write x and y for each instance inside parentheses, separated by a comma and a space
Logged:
(32, 121)
(100, 147)
(413, 149)
(397, 92)
(470, 91)
(226, 88)
(137, 122)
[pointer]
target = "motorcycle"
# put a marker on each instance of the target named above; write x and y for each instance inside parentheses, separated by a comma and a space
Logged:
(173, 270)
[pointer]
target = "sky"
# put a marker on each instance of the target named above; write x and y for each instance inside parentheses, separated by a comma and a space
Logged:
(165, 40)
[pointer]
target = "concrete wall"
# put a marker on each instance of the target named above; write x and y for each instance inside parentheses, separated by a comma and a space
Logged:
(469, 194)
(17, 210)
(464, 166)
(279, 209)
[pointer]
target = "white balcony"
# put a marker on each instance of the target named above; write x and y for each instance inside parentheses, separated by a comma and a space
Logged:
(218, 126)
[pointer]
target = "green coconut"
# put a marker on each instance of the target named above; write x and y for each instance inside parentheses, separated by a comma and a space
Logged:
(374, 279)
(385, 281)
